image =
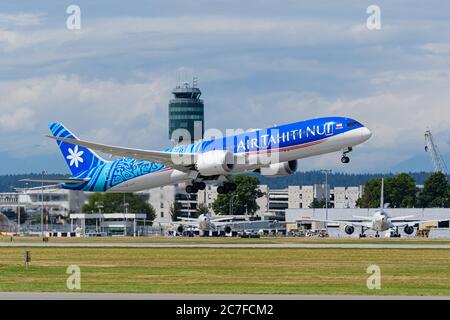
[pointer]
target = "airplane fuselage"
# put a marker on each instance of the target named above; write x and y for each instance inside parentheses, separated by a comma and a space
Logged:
(381, 222)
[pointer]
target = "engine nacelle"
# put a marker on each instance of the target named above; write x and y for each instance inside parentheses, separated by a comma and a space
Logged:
(349, 229)
(180, 229)
(215, 162)
(409, 229)
(227, 229)
(281, 169)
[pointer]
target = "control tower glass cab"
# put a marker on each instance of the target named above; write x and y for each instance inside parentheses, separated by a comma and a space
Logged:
(186, 114)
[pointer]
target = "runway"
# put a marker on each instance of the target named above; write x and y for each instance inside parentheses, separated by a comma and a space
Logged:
(228, 245)
(183, 297)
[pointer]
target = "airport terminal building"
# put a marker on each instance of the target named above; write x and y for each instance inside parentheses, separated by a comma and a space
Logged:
(61, 202)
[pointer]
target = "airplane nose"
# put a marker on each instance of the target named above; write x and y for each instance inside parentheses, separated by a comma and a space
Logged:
(365, 133)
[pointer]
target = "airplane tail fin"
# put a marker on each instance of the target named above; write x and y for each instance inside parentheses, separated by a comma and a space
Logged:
(79, 159)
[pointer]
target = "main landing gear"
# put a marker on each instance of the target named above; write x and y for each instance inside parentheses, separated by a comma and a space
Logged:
(345, 158)
(223, 189)
(226, 188)
(362, 235)
(193, 188)
(396, 234)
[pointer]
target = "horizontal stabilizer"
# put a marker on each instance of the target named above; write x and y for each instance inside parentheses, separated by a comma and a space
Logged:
(46, 187)
(58, 180)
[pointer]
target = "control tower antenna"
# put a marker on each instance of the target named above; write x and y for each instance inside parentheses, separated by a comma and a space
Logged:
(436, 157)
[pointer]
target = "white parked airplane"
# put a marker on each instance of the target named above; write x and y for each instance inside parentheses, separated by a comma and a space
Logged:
(206, 223)
(380, 221)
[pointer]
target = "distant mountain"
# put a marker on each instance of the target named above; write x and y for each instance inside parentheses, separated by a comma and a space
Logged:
(418, 163)
(10, 164)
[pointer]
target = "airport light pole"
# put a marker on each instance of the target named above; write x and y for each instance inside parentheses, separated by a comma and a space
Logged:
(326, 196)
(231, 204)
(42, 203)
(17, 210)
(125, 205)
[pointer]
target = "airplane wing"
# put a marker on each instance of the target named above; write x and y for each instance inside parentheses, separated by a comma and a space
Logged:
(228, 223)
(58, 180)
(350, 223)
(187, 219)
(182, 223)
(222, 219)
(45, 187)
(179, 161)
(363, 218)
(409, 223)
(402, 217)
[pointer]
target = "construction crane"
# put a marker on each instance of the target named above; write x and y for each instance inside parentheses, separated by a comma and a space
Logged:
(436, 157)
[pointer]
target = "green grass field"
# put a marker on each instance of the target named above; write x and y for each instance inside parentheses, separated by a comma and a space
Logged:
(266, 240)
(211, 270)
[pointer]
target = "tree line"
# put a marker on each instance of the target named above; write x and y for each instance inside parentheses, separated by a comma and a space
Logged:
(400, 191)
(11, 181)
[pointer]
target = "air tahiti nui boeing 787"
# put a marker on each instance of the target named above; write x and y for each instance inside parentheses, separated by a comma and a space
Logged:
(272, 152)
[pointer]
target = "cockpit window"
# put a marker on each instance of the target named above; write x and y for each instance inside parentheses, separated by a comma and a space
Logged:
(353, 124)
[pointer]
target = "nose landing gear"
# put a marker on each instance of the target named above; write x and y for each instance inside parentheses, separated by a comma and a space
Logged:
(345, 158)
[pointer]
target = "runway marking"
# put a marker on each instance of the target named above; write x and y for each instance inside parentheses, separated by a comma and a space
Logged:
(163, 296)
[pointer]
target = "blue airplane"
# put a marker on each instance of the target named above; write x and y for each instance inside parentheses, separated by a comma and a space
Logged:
(272, 152)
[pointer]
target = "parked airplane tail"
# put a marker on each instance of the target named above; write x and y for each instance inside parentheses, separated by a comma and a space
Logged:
(382, 195)
(78, 158)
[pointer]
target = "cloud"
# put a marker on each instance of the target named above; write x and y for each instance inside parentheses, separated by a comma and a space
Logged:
(21, 19)
(131, 113)
(258, 63)
(17, 120)
(437, 48)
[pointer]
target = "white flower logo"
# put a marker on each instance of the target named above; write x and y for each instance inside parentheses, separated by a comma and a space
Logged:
(75, 156)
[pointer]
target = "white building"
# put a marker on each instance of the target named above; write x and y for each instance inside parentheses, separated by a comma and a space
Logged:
(163, 198)
(55, 201)
(345, 198)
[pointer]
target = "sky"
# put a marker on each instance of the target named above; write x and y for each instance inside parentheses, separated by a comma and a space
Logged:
(258, 63)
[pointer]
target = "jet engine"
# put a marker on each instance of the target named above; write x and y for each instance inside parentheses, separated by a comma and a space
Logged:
(349, 229)
(180, 229)
(409, 229)
(216, 162)
(281, 169)
(227, 229)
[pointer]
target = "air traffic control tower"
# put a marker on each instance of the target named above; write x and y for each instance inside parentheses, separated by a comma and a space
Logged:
(186, 111)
